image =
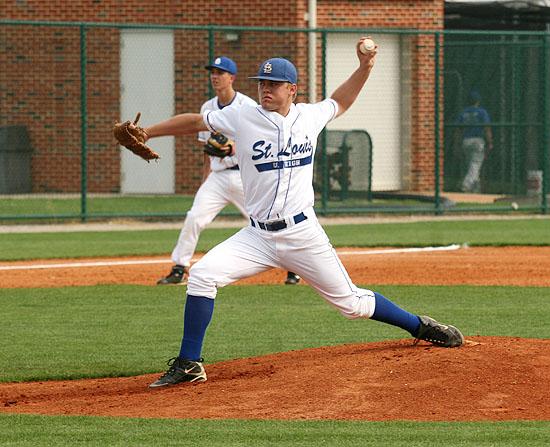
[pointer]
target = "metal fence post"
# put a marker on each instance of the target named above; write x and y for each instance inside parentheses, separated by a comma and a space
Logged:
(324, 159)
(83, 128)
(436, 125)
(545, 142)
(210, 57)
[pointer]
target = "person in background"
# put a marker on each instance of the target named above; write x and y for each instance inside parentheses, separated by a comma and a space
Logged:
(476, 140)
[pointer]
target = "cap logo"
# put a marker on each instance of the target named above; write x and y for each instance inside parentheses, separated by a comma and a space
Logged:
(218, 61)
(268, 68)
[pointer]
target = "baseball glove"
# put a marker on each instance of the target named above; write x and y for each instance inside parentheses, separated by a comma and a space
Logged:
(218, 145)
(133, 137)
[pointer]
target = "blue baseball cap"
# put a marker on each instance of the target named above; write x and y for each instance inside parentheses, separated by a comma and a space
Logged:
(474, 95)
(223, 63)
(277, 69)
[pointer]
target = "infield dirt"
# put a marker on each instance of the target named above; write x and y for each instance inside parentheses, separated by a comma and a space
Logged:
(489, 378)
(512, 266)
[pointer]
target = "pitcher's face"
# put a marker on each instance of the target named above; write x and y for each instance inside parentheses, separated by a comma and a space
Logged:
(276, 96)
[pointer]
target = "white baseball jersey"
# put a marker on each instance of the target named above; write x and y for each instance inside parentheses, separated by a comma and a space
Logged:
(275, 154)
(217, 163)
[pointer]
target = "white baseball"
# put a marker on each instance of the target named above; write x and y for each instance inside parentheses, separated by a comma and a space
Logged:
(366, 46)
(514, 205)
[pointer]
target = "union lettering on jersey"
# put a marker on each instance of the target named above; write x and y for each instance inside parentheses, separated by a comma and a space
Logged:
(284, 164)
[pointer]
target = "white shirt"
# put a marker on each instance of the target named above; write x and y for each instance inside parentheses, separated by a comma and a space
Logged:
(217, 163)
(275, 154)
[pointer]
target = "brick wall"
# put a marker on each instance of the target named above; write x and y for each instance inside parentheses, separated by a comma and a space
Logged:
(412, 14)
(40, 81)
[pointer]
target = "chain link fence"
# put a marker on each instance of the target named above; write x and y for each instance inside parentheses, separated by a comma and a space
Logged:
(448, 122)
(507, 76)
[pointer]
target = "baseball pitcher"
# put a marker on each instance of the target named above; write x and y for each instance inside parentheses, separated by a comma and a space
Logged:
(275, 148)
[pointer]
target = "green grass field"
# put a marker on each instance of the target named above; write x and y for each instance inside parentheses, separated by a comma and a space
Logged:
(75, 332)
(20, 246)
(60, 431)
(50, 207)
(128, 330)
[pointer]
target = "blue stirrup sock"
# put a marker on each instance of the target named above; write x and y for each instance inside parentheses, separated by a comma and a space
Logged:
(390, 313)
(196, 318)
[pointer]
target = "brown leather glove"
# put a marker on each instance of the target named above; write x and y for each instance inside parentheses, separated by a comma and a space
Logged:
(133, 137)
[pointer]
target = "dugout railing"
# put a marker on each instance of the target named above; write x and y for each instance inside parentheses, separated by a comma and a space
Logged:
(62, 85)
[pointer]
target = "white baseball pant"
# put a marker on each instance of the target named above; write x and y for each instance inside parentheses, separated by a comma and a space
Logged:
(474, 147)
(218, 190)
(303, 248)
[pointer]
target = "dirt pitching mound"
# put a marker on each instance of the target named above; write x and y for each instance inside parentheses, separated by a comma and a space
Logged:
(489, 378)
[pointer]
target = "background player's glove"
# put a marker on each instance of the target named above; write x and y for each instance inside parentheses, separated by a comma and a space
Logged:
(133, 137)
(218, 145)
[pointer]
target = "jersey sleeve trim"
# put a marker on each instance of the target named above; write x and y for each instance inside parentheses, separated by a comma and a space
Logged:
(335, 106)
(206, 119)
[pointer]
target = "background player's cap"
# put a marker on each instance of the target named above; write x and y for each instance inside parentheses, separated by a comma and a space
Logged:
(474, 95)
(277, 69)
(223, 63)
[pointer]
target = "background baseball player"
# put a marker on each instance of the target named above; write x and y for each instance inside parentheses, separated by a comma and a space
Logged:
(221, 180)
(275, 148)
(477, 140)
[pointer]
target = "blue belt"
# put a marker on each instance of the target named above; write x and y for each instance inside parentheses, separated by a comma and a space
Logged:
(234, 168)
(277, 225)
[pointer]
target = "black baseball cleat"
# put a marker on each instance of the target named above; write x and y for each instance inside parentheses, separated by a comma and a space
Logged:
(181, 370)
(439, 334)
(292, 278)
(178, 275)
